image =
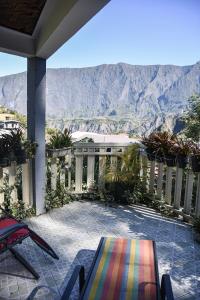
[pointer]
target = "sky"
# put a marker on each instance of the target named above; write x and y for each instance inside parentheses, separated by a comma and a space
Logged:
(138, 32)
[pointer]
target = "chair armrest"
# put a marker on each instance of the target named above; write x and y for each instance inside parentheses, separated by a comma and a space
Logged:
(166, 288)
(6, 232)
(79, 271)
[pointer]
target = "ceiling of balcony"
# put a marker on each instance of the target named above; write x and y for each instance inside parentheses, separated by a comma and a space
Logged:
(20, 15)
(32, 28)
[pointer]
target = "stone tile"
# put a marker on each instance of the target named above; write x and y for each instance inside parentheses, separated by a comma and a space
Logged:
(74, 232)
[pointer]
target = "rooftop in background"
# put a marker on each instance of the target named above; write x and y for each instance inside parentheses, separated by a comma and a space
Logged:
(79, 136)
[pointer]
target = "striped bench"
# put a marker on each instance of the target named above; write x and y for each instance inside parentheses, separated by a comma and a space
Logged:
(122, 269)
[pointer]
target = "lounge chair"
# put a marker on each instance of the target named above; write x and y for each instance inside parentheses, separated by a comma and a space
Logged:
(13, 232)
(111, 274)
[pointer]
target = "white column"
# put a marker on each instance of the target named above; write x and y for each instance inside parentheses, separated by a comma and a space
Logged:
(102, 169)
(36, 106)
(197, 204)
(53, 173)
(152, 177)
(1, 185)
(188, 192)
(78, 174)
(90, 170)
(160, 180)
(26, 184)
(178, 187)
(168, 189)
(12, 176)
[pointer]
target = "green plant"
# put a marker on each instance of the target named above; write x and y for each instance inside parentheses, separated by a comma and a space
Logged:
(57, 198)
(59, 140)
(125, 176)
(7, 189)
(192, 119)
(30, 148)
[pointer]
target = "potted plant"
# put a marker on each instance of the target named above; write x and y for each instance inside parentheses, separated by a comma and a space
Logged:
(58, 144)
(182, 149)
(150, 147)
(195, 158)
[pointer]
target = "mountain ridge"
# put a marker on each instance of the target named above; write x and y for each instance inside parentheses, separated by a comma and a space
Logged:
(135, 98)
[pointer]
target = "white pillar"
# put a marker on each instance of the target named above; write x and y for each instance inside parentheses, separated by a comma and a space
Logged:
(168, 189)
(26, 184)
(178, 187)
(197, 204)
(188, 192)
(90, 170)
(102, 169)
(36, 102)
(160, 180)
(12, 176)
(78, 174)
(152, 177)
(1, 185)
(62, 174)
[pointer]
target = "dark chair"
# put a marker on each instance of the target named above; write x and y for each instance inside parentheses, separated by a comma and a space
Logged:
(13, 232)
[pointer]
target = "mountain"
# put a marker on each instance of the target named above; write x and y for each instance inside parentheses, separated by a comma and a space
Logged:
(110, 98)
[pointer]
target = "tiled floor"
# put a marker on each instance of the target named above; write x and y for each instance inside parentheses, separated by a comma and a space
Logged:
(74, 232)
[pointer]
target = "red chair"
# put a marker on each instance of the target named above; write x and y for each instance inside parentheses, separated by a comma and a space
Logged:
(13, 232)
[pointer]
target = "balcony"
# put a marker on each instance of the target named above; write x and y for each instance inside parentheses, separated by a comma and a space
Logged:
(74, 230)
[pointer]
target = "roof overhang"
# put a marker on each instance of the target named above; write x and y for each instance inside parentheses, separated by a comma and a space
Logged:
(58, 22)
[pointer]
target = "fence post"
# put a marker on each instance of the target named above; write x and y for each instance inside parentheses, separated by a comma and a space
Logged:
(152, 177)
(160, 180)
(168, 189)
(26, 184)
(90, 170)
(1, 185)
(178, 188)
(188, 192)
(79, 174)
(197, 204)
(12, 176)
(53, 173)
(102, 169)
(69, 170)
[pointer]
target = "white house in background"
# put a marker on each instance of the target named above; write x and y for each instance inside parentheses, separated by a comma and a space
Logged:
(86, 137)
(10, 124)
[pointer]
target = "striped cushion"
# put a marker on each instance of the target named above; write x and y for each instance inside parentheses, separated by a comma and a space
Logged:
(124, 269)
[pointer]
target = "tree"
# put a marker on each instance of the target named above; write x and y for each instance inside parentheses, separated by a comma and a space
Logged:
(192, 119)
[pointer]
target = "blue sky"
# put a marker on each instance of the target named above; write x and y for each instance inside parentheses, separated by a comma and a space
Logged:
(131, 31)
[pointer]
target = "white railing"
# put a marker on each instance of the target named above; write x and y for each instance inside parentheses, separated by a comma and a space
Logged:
(82, 166)
(178, 188)
(11, 172)
(88, 157)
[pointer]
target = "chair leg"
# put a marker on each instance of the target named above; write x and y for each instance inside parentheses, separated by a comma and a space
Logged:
(24, 262)
(42, 244)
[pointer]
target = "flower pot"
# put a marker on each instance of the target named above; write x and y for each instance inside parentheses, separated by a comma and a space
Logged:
(150, 154)
(20, 156)
(160, 159)
(195, 163)
(182, 161)
(4, 162)
(170, 160)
